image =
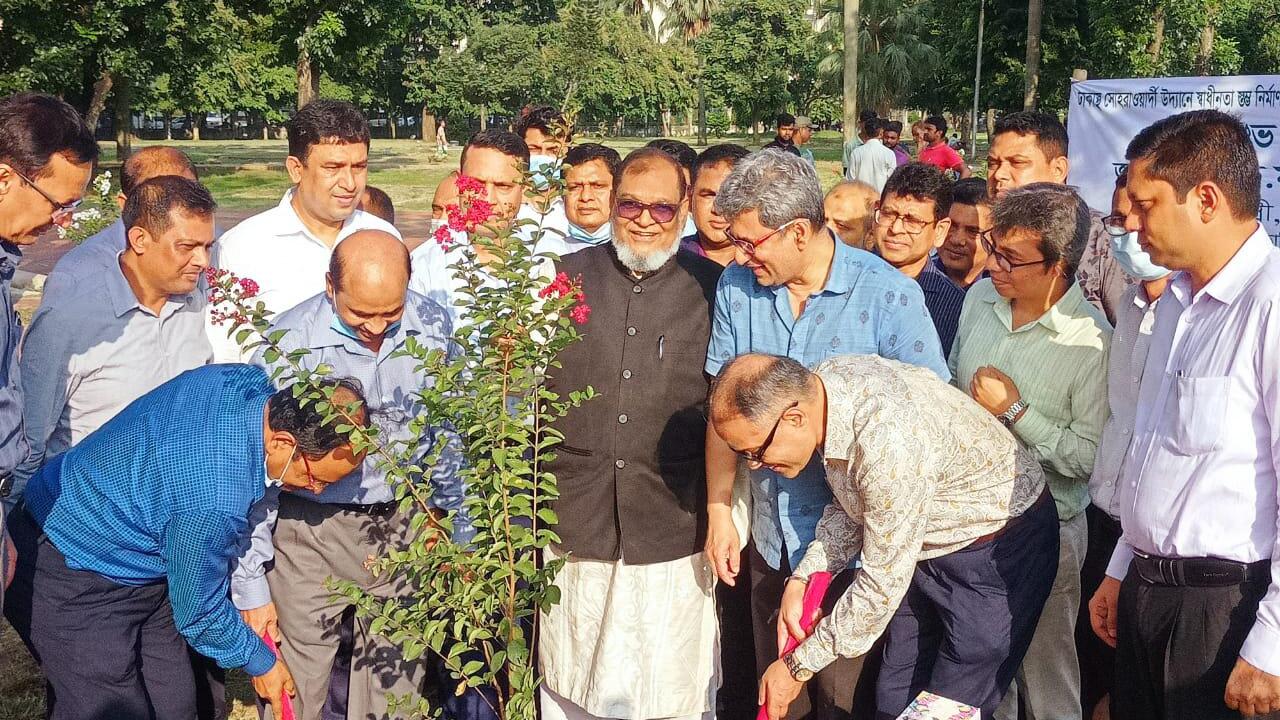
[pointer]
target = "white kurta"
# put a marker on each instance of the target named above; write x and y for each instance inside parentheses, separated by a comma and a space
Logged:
(635, 642)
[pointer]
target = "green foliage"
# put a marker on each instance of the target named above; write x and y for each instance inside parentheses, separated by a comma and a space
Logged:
(895, 54)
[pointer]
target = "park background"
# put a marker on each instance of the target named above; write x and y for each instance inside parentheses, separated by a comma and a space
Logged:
(218, 78)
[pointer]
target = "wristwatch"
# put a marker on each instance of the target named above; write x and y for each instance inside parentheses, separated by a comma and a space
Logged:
(1007, 417)
(800, 674)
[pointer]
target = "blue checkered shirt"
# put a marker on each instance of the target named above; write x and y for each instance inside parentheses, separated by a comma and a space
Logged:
(866, 308)
(162, 493)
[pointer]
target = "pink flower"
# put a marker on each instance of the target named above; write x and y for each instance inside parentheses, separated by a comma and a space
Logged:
(443, 236)
(580, 313)
(249, 287)
(466, 184)
(559, 287)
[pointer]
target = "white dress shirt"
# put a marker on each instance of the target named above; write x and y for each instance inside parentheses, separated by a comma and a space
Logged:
(275, 250)
(1200, 476)
(1135, 319)
(872, 163)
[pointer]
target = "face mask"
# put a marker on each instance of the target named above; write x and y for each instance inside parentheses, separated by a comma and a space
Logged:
(543, 168)
(689, 227)
(345, 330)
(1133, 259)
(599, 236)
(277, 482)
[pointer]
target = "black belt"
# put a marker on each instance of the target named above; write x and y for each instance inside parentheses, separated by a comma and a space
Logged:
(384, 508)
(1198, 572)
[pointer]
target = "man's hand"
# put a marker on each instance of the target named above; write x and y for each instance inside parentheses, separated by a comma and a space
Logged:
(993, 390)
(790, 613)
(778, 690)
(11, 559)
(1251, 691)
(1103, 610)
(723, 549)
(273, 685)
(262, 619)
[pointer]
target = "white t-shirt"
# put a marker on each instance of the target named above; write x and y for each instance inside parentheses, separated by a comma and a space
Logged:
(872, 163)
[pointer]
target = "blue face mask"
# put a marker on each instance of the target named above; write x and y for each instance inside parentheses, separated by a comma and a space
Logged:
(345, 330)
(599, 236)
(543, 167)
(1133, 259)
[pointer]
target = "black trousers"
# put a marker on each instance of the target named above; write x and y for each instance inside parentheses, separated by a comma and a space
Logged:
(108, 651)
(1177, 646)
(829, 696)
(1097, 659)
(737, 697)
(968, 618)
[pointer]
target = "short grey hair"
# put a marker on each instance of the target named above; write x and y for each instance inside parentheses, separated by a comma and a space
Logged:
(756, 393)
(1056, 213)
(778, 185)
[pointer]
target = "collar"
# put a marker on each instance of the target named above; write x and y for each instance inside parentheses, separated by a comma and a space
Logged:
(320, 334)
(123, 300)
(1056, 319)
(291, 224)
(845, 266)
(1234, 277)
(932, 274)
(874, 140)
(10, 256)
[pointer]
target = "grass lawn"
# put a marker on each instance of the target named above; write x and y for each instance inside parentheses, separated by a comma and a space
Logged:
(249, 175)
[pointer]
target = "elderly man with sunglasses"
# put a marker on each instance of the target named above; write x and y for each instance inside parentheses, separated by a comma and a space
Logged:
(796, 291)
(1032, 350)
(635, 633)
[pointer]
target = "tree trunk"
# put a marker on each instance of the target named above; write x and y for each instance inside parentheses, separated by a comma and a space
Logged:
(168, 127)
(666, 122)
(123, 118)
(428, 125)
(1157, 39)
(391, 123)
(193, 122)
(850, 29)
(484, 118)
(308, 78)
(991, 123)
(702, 113)
(101, 88)
(1030, 92)
(1204, 54)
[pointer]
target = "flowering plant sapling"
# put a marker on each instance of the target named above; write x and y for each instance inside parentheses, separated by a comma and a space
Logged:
(95, 215)
(474, 603)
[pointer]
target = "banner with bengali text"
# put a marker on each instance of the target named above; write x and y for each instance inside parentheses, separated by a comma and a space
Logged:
(1104, 115)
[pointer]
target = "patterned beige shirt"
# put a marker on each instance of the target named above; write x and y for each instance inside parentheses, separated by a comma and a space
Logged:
(918, 470)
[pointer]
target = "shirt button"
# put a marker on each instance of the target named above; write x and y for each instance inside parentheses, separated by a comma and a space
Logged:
(626, 374)
(619, 463)
(631, 331)
(622, 418)
(637, 289)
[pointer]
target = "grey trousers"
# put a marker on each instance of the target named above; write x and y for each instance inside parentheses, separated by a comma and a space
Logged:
(314, 542)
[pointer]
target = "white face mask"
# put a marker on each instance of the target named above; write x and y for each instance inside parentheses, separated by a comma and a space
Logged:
(599, 236)
(542, 167)
(689, 227)
(277, 482)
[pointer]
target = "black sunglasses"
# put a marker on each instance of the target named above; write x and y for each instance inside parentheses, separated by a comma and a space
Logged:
(757, 455)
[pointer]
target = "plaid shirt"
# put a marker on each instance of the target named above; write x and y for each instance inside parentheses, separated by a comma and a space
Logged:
(162, 493)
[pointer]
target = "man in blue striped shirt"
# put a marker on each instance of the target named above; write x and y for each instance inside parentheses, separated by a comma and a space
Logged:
(125, 541)
(912, 222)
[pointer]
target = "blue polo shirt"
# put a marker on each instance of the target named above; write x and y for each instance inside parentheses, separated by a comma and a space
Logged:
(867, 307)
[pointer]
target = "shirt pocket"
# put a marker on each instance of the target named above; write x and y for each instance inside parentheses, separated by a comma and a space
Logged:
(1196, 411)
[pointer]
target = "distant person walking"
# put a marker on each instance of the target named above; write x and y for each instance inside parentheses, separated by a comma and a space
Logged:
(442, 141)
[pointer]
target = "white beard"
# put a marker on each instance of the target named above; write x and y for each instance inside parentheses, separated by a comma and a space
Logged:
(637, 263)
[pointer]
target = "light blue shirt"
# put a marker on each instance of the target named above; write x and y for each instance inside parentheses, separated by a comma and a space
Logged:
(390, 381)
(866, 308)
(96, 254)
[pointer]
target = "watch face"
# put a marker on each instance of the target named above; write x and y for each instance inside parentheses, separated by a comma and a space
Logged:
(803, 675)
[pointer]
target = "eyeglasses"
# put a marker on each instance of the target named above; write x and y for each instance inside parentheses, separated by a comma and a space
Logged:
(315, 485)
(1002, 260)
(757, 455)
(661, 213)
(912, 226)
(749, 246)
(62, 212)
(1114, 225)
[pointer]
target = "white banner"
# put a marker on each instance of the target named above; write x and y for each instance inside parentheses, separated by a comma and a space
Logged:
(1104, 115)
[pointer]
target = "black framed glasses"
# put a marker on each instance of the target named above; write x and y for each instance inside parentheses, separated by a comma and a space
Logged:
(1002, 260)
(757, 455)
(1114, 225)
(749, 246)
(62, 212)
(912, 226)
(661, 213)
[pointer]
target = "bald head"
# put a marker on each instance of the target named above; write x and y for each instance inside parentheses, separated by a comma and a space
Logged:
(849, 208)
(756, 386)
(769, 409)
(153, 162)
(367, 282)
(446, 194)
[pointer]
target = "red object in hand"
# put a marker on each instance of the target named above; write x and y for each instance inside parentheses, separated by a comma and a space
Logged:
(813, 594)
(286, 702)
